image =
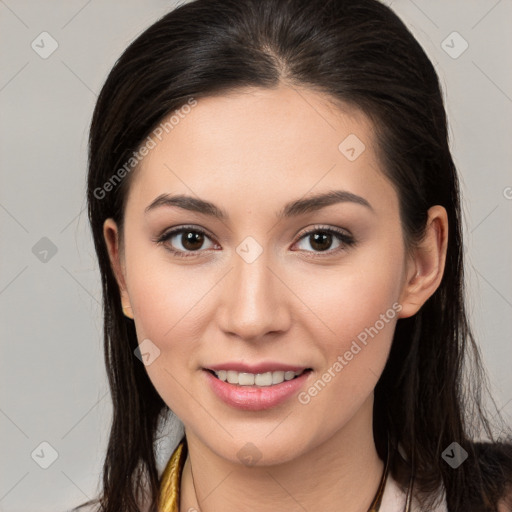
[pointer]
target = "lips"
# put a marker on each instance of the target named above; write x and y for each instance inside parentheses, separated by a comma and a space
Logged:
(257, 386)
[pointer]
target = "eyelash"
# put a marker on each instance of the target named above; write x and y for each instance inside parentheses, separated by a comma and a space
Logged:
(347, 240)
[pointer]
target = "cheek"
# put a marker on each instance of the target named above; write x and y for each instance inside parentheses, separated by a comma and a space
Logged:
(361, 313)
(352, 298)
(163, 316)
(164, 294)
(358, 308)
(170, 308)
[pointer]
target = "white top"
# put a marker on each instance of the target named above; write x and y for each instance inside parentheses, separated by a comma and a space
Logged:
(393, 499)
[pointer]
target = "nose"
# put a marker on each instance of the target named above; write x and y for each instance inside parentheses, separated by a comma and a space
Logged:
(254, 300)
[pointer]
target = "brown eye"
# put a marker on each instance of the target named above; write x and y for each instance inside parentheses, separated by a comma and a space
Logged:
(185, 241)
(192, 240)
(321, 240)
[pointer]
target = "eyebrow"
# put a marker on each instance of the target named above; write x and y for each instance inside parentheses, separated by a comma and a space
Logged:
(291, 209)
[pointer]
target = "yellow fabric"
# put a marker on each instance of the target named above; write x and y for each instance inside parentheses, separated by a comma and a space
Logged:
(169, 499)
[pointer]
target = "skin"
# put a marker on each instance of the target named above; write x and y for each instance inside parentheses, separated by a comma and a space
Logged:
(250, 152)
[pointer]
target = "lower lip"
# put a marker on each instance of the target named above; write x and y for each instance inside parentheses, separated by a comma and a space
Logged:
(254, 398)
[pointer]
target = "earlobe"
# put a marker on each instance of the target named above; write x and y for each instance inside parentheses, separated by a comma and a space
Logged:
(111, 236)
(426, 265)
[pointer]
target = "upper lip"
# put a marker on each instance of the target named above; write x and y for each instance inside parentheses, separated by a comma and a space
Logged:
(256, 368)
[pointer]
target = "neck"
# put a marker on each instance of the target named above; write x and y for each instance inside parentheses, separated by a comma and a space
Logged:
(343, 470)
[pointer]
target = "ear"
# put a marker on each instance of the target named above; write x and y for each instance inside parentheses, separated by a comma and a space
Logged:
(425, 266)
(111, 235)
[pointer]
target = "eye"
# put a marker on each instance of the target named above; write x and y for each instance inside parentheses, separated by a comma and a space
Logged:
(191, 240)
(321, 238)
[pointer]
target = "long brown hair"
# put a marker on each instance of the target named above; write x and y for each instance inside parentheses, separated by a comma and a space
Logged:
(357, 52)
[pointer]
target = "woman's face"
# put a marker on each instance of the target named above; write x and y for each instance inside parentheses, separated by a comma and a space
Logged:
(267, 287)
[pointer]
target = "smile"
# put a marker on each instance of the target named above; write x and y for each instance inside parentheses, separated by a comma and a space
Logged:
(256, 379)
(256, 391)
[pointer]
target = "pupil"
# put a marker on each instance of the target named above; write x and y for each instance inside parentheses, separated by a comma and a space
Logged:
(322, 237)
(190, 238)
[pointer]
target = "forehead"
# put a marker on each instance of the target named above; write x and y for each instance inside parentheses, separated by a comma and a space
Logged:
(285, 119)
(262, 143)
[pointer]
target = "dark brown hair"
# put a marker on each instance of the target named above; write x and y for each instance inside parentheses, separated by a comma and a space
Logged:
(359, 53)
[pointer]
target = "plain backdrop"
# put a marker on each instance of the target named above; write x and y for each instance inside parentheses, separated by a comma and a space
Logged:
(53, 383)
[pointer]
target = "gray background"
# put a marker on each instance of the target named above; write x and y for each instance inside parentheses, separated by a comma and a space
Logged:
(54, 385)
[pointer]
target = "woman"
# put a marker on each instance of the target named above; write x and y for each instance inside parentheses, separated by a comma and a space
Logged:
(276, 215)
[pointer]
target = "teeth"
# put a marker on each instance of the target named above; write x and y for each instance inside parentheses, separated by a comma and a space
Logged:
(259, 379)
(245, 379)
(277, 377)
